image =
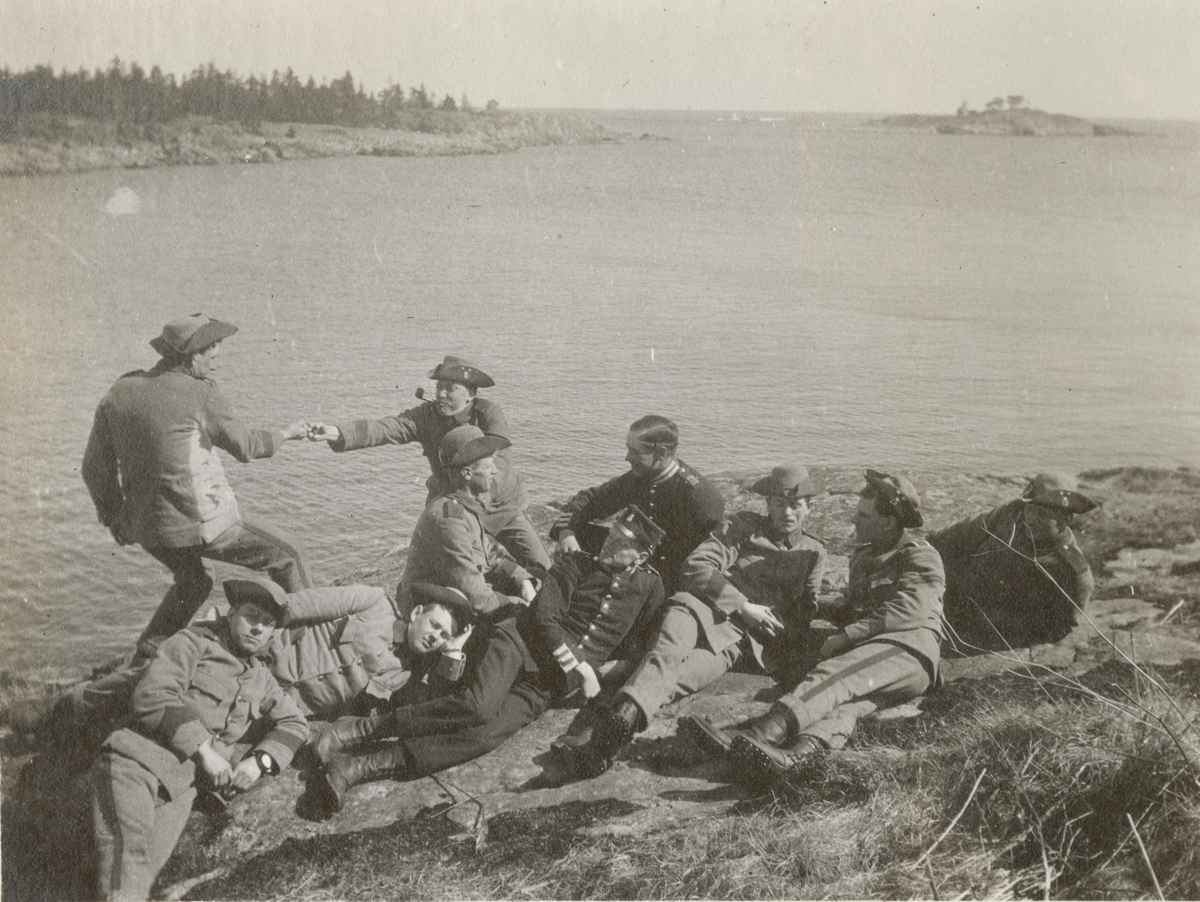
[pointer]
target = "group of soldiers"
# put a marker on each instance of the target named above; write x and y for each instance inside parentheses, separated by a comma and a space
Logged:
(651, 594)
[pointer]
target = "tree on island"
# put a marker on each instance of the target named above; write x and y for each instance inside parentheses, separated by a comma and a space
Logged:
(994, 105)
(1015, 101)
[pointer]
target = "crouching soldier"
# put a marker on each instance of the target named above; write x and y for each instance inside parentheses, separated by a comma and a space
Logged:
(750, 589)
(1015, 576)
(206, 712)
(885, 652)
(588, 611)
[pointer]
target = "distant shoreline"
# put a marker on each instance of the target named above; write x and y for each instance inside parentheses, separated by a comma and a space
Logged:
(1018, 122)
(63, 145)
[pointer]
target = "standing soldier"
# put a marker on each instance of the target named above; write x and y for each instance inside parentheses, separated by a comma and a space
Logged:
(154, 475)
(502, 510)
(1015, 576)
(676, 497)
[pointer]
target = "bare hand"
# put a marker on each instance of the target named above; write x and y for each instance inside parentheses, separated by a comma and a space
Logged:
(296, 430)
(456, 643)
(834, 645)
(214, 765)
(246, 774)
(567, 543)
(591, 683)
(320, 432)
(528, 591)
(761, 618)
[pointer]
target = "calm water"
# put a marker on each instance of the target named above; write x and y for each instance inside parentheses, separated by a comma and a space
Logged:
(806, 289)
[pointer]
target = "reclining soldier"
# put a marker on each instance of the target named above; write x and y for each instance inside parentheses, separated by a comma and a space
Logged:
(589, 611)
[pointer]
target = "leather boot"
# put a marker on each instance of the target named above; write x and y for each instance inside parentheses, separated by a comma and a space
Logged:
(345, 770)
(615, 727)
(760, 764)
(777, 727)
(708, 737)
(347, 733)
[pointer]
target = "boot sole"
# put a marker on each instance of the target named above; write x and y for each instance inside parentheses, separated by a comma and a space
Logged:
(610, 735)
(755, 767)
(709, 742)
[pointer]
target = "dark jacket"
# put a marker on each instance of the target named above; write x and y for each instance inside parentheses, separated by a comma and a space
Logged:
(683, 504)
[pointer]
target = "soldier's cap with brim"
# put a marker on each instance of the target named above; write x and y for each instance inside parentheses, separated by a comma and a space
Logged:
(1058, 491)
(190, 334)
(267, 595)
(466, 444)
(786, 481)
(899, 494)
(454, 601)
(455, 369)
(636, 525)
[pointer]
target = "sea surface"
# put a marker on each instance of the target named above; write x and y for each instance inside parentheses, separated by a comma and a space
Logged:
(785, 287)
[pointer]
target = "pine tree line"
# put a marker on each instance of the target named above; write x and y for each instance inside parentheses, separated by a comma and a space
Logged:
(129, 95)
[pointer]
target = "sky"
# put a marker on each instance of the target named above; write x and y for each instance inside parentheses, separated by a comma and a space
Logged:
(1115, 59)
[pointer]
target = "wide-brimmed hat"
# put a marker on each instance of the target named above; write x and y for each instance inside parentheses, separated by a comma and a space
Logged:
(900, 494)
(264, 593)
(1058, 491)
(452, 600)
(786, 481)
(635, 524)
(466, 444)
(190, 334)
(455, 369)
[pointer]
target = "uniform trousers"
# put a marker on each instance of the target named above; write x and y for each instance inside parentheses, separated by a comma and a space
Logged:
(250, 544)
(136, 825)
(679, 664)
(840, 690)
(500, 698)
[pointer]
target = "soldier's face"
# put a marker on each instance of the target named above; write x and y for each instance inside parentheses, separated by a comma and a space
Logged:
(204, 363)
(251, 627)
(787, 514)
(870, 526)
(1044, 522)
(480, 474)
(452, 397)
(619, 551)
(643, 459)
(430, 627)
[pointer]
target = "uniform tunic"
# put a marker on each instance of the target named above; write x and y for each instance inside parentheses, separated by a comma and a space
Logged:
(503, 511)
(197, 689)
(1003, 588)
(680, 501)
(517, 667)
(745, 559)
(451, 548)
(892, 614)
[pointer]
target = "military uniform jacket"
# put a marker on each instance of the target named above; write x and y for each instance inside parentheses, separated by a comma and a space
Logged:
(998, 544)
(683, 504)
(895, 595)
(425, 425)
(746, 559)
(583, 613)
(151, 464)
(337, 642)
(450, 548)
(197, 689)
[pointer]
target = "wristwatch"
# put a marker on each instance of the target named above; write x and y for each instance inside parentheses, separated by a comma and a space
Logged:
(266, 763)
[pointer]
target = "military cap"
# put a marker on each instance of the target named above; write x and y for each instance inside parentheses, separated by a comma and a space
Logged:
(455, 369)
(466, 444)
(190, 334)
(787, 481)
(900, 494)
(1057, 491)
(636, 525)
(267, 595)
(451, 599)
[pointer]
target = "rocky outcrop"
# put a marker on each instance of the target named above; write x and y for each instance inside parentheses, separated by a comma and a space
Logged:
(1020, 122)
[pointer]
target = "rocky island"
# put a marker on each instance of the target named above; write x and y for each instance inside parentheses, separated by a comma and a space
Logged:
(1069, 770)
(1021, 122)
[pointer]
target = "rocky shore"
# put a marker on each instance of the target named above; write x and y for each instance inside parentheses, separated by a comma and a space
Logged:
(894, 815)
(57, 145)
